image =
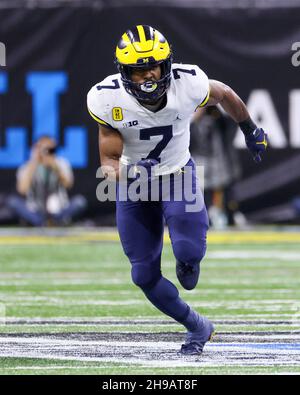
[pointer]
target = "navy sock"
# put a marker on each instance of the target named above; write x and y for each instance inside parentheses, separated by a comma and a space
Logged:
(193, 321)
(165, 296)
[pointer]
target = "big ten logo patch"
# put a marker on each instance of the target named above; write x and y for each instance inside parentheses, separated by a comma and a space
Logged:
(117, 114)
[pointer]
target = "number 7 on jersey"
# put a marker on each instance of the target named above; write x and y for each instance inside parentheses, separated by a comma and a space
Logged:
(165, 131)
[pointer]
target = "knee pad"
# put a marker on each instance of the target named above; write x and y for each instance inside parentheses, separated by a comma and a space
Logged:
(144, 276)
(189, 252)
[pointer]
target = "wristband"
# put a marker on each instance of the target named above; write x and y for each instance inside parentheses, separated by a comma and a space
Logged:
(247, 126)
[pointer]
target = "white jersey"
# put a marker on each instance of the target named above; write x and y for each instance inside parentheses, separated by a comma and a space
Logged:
(164, 134)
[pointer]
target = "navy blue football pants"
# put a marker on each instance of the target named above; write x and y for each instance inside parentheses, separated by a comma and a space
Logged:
(141, 227)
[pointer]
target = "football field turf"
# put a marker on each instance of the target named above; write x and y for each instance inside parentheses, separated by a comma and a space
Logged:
(68, 306)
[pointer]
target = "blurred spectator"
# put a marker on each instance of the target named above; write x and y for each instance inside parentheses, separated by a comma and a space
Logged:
(212, 135)
(44, 181)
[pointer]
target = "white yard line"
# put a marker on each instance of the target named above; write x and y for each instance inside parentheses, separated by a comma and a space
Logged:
(62, 302)
(151, 320)
(159, 354)
(92, 280)
(51, 367)
(272, 255)
(270, 305)
(95, 293)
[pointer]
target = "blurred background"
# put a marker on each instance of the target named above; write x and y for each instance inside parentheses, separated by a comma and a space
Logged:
(56, 50)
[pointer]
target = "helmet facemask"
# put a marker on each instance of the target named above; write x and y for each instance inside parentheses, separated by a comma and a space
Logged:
(149, 91)
(144, 47)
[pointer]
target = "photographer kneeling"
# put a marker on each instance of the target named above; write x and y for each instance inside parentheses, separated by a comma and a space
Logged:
(44, 181)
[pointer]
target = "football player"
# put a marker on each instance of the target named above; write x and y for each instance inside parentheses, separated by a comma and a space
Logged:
(144, 114)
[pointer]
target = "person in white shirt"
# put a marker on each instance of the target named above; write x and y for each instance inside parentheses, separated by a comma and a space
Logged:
(44, 181)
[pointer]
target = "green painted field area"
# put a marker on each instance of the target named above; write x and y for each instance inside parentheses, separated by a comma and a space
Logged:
(68, 306)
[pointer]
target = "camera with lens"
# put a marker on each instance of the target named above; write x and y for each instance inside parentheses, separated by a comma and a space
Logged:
(49, 151)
